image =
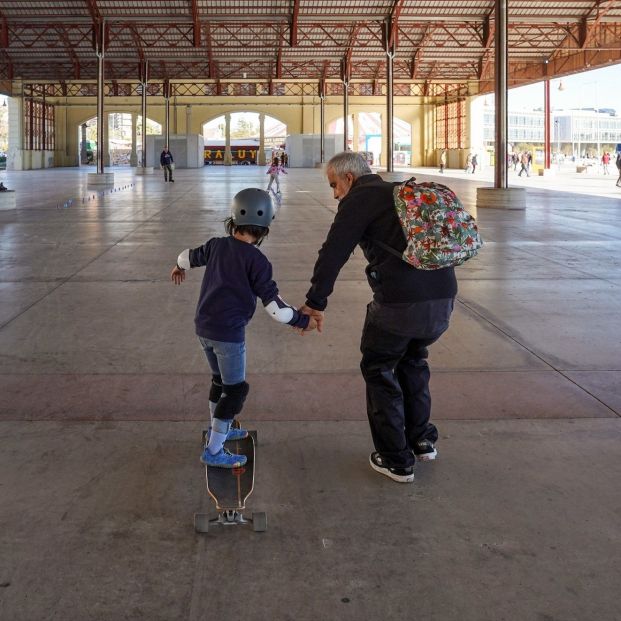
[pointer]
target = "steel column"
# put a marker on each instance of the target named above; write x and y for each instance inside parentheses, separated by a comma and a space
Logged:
(345, 114)
(389, 112)
(322, 117)
(167, 112)
(546, 124)
(322, 138)
(145, 79)
(500, 84)
(100, 97)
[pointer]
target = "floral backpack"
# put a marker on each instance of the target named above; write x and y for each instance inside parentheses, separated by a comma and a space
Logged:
(438, 230)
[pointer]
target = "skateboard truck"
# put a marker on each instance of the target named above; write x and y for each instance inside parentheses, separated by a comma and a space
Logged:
(230, 517)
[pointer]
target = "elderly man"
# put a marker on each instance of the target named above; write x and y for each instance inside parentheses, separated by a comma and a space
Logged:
(411, 308)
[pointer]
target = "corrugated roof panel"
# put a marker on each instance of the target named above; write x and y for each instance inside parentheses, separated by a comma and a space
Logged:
(447, 35)
(41, 8)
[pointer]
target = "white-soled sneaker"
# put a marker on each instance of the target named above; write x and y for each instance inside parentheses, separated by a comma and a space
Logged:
(401, 475)
(425, 450)
(223, 459)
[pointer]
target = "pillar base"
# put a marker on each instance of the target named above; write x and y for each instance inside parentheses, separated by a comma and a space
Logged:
(7, 199)
(501, 198)
(145, 170)
(100, 179)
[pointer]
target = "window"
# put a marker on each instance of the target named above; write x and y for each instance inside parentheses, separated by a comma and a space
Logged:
(39, 132)
(450, 125)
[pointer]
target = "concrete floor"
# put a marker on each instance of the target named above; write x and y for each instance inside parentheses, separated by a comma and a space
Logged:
(103, 390)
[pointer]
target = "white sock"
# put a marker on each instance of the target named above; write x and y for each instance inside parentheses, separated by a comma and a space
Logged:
(212, 409)
(219, 431)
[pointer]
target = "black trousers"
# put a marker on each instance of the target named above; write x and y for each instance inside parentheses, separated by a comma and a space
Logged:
(396, 373)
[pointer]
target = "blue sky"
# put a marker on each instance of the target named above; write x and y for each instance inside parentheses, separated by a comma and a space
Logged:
(600, 88)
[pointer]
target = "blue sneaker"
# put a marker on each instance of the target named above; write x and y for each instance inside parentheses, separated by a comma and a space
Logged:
(223, 459)
(234, 434)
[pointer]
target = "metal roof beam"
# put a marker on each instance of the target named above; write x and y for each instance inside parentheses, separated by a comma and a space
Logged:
(315, 20)
(196, 24)
(93, 10)
(295, 15)
(4, 33)
(213, 67)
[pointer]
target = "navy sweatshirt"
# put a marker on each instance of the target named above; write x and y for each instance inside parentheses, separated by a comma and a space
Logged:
(236, 273)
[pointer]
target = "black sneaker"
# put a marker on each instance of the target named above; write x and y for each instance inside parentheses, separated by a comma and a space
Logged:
(425, 450)
(401, 475)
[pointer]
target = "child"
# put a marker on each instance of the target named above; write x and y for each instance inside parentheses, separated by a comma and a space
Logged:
(273, 171)
(236, 273)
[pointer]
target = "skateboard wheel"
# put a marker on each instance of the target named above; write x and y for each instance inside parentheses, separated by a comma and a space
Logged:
(259, 522)
(201, 522)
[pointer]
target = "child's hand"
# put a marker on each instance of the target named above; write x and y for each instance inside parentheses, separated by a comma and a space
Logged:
(312, 325)
(177, 275)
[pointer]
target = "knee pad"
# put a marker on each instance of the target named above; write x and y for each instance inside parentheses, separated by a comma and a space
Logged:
(232, 400)
(215, 392)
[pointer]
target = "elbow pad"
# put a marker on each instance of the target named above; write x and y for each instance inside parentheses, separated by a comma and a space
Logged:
(279, 310)
(183, 260)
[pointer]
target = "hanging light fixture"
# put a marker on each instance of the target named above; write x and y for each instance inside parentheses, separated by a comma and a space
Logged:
(561, 87)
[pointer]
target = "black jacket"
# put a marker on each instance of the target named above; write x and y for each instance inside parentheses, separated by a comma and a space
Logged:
(365, 214)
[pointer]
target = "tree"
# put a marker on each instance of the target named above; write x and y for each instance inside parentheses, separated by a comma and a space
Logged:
(244, 129)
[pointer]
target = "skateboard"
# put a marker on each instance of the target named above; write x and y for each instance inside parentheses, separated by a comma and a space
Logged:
(229, 488)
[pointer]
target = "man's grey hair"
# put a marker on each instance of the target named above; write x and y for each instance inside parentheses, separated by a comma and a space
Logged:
(349, 162)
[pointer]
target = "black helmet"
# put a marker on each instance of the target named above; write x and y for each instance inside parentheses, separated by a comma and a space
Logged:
(252, 206)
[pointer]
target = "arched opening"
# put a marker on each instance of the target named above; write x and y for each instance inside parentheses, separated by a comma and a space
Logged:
(245, 130)
(370, 139)
(121, 148)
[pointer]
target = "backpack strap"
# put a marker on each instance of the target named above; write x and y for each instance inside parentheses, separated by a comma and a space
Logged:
(386, 247)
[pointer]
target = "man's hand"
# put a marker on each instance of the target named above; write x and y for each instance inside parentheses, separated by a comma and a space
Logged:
(315, 314)
(312, 325)
(177, 275)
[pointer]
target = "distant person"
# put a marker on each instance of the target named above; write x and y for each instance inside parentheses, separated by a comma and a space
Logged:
(619, 169)
(167, 163)
(524, 162)
(468, 163)
(236, 274)
(474, 163)
(442, 161)
(274, 171)
(606, 162)
(515, 160)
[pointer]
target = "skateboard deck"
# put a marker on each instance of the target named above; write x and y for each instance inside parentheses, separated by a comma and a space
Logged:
(229, 487)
